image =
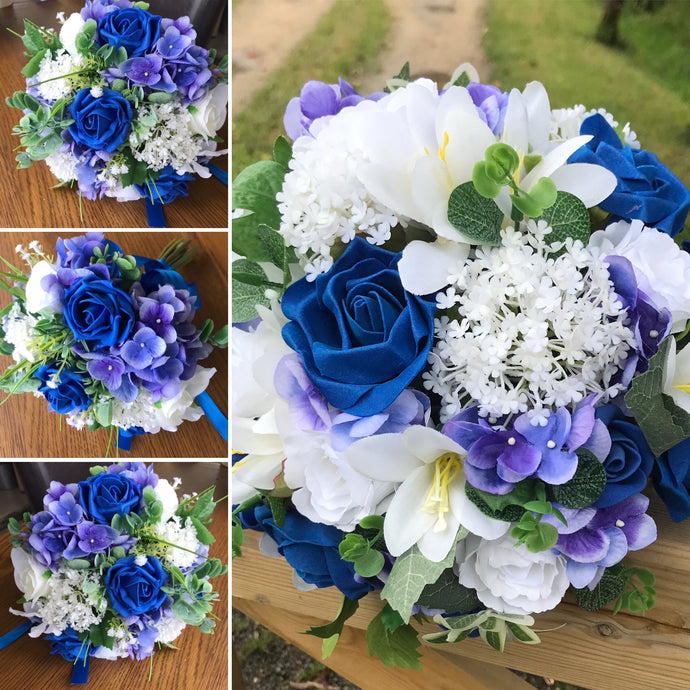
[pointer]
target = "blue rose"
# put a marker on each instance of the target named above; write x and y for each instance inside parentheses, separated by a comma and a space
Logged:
(158, 273)
(310, 548)
(130, 28)
(361, 336)
(136, 589)
(646, 189)
(106, 495)
(100, 123)
(671, 477)
(69, 646)
(98, 313)
(630, 460)
(64, 391)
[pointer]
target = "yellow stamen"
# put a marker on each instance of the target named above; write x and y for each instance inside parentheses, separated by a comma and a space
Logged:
(442, 147)
(446, 469)
(685, 387)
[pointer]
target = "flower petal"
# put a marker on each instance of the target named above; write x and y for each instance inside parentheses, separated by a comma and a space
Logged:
(384, 457)
(588, 182)
(424, 266)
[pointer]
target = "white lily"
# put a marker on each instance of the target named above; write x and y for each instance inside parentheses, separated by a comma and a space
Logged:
(430, 504)
(677, 381)
(255, 356)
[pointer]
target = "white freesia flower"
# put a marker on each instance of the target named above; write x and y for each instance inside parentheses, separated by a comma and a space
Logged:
(661, 267)
(511, 579)
(19, 331)
(28, 575)
(255, 355)
(68, 33)
(328, 489)
(211, 112)
(168, 497)
(677, 375)
(430, 504)
(36, 297)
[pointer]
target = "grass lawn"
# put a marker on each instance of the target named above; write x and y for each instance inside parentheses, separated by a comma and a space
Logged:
(345, 43)
(646, 83)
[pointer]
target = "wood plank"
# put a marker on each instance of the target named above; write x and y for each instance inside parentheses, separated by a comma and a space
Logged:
(351, 660)
(594, 650)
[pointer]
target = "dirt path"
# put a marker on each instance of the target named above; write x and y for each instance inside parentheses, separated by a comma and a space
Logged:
(434, 35)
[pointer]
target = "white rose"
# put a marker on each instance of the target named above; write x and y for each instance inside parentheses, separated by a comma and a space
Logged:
(28, 575)
(69, 31)
(661, 267)
(168, 497)
(174, 411)
(36, 297)
(511, 579)
(211, 112)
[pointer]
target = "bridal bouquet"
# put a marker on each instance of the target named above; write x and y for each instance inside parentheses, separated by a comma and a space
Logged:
(461, 356)
(121, 102)
(115, 566)
(108, 339)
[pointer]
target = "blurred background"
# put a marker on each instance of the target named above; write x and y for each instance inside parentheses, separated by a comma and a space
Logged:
(627, 56)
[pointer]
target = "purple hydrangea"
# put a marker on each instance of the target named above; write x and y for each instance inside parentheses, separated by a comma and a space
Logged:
(492, 104)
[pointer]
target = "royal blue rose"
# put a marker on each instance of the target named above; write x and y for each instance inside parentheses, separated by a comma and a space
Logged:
(646, 189)
(100, 123)
(167, 187)
(671, 477)
(361, 336)
(98, 313)
(136, 589)
(63, 389)
(630, 460)
(105, 495)
(158, 273)
(130, 28)
(310, 548)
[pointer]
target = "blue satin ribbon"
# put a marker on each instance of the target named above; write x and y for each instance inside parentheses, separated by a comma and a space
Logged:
(80, 675)
(154, 214)
(124, 439)
(215, 416)
(10, 637)
(218, 173)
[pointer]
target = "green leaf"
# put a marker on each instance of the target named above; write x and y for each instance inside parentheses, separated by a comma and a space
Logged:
(274, 245)
(245, 297)
(282, 152)
(530, 161)
(448, 594)
(541, 196)
(347, 610)
(476, 218)
(523, 633)
(119, 85)
(202, 533)
(587, 484)
(160, 97)
(568, 217)
(511, 513)
(462, 80)
(522, 493)
(31, 68)
(609, 588)
(278, 508)
(78, 564)
(372, 522)
(33, 39)
(370, 564)
(394, 648)
(104, 413)
(220, 338)
(255, 189)
(249, 272)
(46, 146)
(410, 573)
(663, 423)
(483, 181)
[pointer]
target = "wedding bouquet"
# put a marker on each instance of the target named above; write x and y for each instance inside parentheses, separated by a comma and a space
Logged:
(461, 356)
(120, 101)
(108, 339)
(116, 565)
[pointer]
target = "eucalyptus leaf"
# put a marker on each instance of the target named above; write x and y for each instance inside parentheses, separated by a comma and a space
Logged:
(282, 152)
(587, 484)
(394, 648)
(609, 588)
(249, 272)
(448, 594)
(568, 217)
(245, 297)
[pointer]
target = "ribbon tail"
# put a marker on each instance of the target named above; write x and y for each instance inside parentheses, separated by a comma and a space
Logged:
(80, 675)
(154, 214)
(10, 637)
(124, 440)
(218, 173)
(215, 416)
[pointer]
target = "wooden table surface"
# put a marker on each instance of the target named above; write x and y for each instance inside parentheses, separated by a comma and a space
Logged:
(201, 661)
(593, 650)
(43, 207)
(28, 429)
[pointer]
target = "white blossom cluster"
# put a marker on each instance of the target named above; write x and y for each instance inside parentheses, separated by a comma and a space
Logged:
(566, 122)
(527, 330)
(19, 332)
(170, 141)
(323, 201)
(68, 606)
(63, 165)
(54, 65)
(182, 534)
